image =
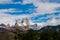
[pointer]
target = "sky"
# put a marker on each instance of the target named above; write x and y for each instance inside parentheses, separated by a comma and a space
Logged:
(44, 12)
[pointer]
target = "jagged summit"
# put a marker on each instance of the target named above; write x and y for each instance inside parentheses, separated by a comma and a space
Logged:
(2, 24)
(25, 24)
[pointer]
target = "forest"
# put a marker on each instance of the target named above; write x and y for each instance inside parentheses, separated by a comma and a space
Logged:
(47, 34)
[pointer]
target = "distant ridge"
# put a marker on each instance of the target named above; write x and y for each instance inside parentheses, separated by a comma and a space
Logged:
(54, 28)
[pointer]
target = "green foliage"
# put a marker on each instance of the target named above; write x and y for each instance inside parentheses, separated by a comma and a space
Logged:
(47, 34)
(6, 36)
(34, 35)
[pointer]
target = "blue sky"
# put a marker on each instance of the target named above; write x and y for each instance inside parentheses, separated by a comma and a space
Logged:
(38, 11)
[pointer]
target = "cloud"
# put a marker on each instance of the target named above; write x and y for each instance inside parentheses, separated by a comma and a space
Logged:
(7, 18)
(50, 19)
(45, 7)
(42, 8)
(9, 2)
(5, 1)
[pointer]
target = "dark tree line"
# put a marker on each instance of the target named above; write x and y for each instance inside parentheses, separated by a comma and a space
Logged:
(37, 35)
(46, 33)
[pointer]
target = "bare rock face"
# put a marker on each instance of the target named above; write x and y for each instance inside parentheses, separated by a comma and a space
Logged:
(3, 25)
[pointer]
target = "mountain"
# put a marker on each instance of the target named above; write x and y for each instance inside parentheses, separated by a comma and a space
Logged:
(4, 30)
(54, 28)
(3, 25)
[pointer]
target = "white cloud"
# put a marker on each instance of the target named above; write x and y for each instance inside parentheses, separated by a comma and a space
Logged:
(53, 21)
(9, 2)
(7, 18)
(5, 1)
(47, 7)
(42, 8)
